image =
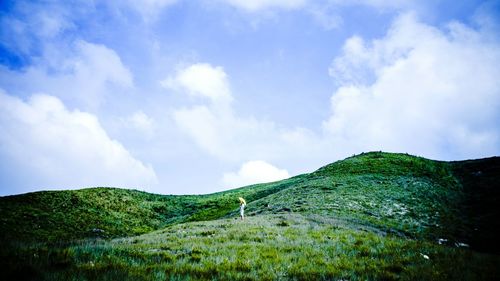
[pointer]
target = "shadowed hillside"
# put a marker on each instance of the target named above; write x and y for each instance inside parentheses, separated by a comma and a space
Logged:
(371, 216)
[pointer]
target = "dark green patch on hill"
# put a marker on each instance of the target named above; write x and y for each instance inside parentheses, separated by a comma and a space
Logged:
(480, 182)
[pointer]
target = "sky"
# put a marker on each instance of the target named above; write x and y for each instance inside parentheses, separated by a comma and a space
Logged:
(199, 96)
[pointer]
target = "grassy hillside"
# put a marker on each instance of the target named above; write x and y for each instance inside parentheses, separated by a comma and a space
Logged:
(376, 216)
(266, 247)
(49, 216)
(405, 195)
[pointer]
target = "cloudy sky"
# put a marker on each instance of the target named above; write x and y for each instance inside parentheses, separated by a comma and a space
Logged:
(188, 97)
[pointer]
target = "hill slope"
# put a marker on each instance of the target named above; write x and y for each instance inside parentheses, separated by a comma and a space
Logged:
(112, 212)
(404, 195)
(376, 216)
(395, 193)
(264, 247)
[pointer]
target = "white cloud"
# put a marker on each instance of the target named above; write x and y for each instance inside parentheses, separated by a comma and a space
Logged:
(226, 136)
(91, 73)
(201, 80)
(149, 9)
(419, 89)
(202, 125)
(218, 130)
(328, 13)
(57, 148)
(379, 3)
(326, 16)
(142, 123)
(253, 172)
(257, 5)
(29, 26)
(99, 62)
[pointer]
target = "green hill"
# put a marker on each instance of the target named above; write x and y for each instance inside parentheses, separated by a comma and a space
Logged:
(49, 216)
(377, 215)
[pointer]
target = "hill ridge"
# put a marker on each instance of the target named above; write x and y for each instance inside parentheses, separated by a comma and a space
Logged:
(392, 192)
(374, 216)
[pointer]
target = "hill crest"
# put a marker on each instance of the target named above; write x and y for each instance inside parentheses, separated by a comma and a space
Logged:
(393, 193)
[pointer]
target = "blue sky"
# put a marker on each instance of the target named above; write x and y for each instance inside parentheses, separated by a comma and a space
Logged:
(188, 97)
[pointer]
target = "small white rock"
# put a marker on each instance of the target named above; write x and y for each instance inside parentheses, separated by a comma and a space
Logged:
(442, 241)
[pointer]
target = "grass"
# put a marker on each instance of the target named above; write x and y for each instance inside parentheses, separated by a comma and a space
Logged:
(266, 247)
(50, 216)
(374, 216)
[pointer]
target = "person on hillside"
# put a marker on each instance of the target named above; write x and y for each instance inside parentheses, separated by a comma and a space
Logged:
(243, 203)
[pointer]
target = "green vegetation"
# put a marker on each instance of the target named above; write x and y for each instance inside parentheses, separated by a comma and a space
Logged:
(50, 216)
(375, 216)
(268, 247)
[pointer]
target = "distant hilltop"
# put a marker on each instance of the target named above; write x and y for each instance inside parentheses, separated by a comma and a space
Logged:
(397, 194)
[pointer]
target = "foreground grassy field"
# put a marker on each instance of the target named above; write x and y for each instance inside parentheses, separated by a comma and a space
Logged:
(267, 247)
(375, 216)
